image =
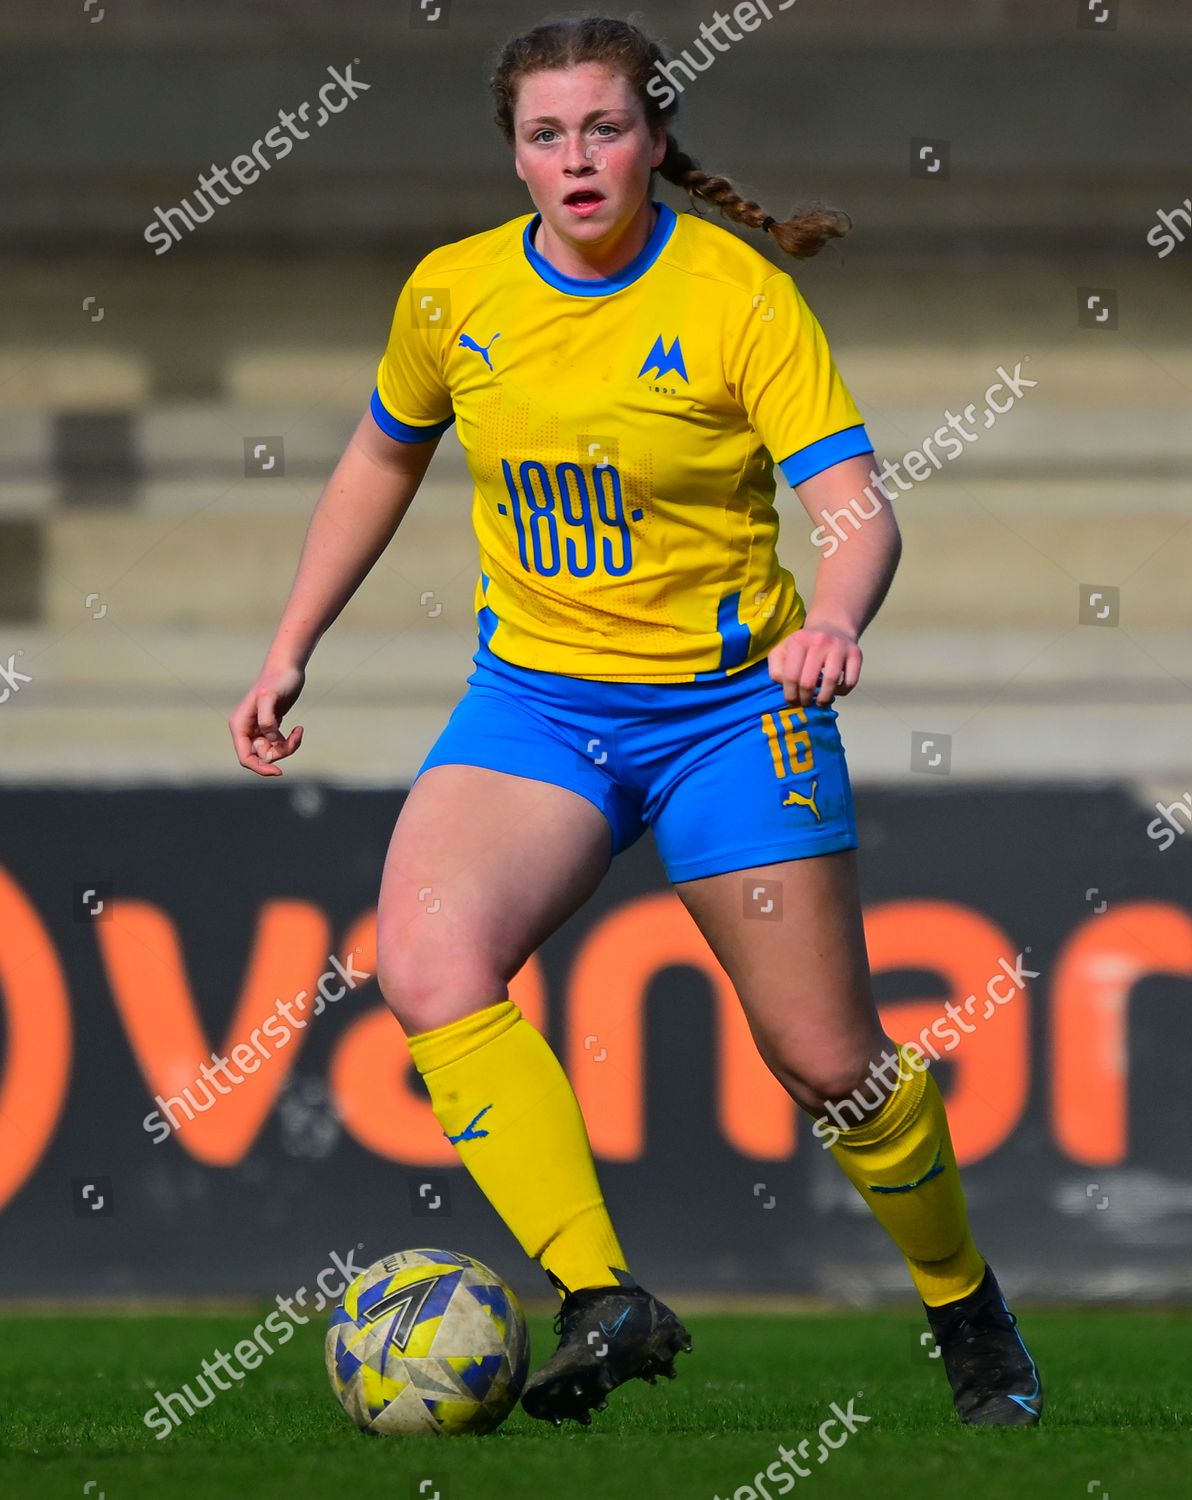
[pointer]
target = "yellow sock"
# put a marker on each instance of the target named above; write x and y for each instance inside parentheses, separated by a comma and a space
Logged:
(901, 1162)
(506, 1104)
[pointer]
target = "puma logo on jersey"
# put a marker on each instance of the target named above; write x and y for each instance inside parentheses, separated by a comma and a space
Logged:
(468, 342)
(664, 361)
(794, 798)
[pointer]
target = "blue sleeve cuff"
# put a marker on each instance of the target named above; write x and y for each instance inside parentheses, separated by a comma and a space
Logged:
(826, 452)
(402, 430)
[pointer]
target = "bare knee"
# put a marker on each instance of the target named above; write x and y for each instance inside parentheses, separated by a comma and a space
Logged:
(857, 1078)
(428, 985)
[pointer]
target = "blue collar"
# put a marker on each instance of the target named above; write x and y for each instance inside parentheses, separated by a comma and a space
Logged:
(604, 285)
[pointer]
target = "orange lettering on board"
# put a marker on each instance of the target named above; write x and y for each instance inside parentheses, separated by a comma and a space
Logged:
(989, 1088)
(607, 988)
(147, 975)
(1096, 972)
(37, 1054)
(371, 1071)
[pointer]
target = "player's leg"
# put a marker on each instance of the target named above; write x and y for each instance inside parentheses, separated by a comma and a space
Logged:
(805, 986)
(755, 795)
(804, 983)
(483, 866)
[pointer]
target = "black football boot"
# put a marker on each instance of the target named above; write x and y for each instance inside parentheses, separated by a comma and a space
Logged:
(993, 1377)
(607, 1335)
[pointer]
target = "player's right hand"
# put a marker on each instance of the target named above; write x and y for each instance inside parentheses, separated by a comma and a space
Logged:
(256, 721)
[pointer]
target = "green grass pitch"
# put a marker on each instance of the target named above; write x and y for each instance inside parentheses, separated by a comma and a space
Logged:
(73, 1390)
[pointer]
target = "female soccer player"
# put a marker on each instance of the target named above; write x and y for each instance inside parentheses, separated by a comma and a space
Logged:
(623, 380)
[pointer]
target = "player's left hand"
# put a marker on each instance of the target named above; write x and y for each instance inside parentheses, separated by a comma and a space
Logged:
(816, 664)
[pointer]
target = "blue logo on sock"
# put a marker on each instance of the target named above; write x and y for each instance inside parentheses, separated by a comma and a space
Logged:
(934, 1170)
(469, 1132)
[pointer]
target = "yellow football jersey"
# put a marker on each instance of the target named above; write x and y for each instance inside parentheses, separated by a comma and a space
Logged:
(621, 435)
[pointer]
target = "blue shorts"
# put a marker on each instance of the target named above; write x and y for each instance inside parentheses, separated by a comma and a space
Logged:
(726, 773)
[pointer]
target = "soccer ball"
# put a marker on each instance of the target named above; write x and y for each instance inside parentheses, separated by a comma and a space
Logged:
(428, 1341)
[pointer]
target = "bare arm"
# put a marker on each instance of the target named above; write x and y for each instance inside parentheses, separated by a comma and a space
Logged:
(856, 567)
(358, 512)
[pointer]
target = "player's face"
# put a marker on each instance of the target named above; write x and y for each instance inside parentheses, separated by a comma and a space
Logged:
(583, 149)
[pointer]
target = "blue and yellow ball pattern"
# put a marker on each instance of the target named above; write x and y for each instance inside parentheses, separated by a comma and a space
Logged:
(428, 1341)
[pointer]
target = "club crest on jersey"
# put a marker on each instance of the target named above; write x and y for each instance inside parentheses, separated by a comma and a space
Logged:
(468, 342)
(664, 361)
